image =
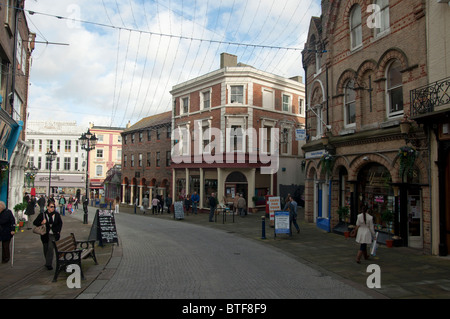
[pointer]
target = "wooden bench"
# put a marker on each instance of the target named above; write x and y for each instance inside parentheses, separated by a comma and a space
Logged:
(69, 251)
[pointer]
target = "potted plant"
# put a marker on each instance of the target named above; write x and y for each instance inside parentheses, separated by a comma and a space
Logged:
(407, 157)
(327, 164)
(388, 218)
(344, 213)
(20, 208)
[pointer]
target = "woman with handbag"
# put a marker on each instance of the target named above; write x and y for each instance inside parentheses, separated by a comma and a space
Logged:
(53, 225)
(364, 233)
(7, 227)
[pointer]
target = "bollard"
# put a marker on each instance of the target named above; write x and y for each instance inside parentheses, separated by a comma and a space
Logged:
(263, 235)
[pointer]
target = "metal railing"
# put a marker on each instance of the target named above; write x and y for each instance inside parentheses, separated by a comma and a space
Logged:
(426, 98)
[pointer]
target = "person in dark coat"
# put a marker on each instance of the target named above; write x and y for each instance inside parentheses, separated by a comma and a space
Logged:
(54, 224)
(7, 227)
(212, 207)
(29, 211)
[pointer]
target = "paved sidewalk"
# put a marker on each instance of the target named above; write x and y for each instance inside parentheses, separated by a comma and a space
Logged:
(405, 272)
(27, 278)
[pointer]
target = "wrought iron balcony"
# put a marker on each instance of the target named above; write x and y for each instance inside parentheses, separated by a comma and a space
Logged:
(425, 99)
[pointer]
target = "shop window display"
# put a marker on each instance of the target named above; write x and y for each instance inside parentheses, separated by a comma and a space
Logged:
(376, 192)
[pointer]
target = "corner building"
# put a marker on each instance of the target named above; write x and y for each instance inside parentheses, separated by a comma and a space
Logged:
(240, 99)
(360, 68)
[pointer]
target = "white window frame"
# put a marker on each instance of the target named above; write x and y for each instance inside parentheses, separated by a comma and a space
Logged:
(388, 93)
(272, 102)
(240, 122)
(244, 93)
(355, 29)
(289, 103)
(182, 99)
(384, 16)
(289, 129)
(202, 99)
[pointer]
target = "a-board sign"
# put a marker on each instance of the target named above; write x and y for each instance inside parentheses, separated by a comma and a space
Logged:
(178, 210)
(282, 224)
(104, 227)
(274, 204)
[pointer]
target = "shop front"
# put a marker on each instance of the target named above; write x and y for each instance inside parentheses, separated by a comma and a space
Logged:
(397, 208)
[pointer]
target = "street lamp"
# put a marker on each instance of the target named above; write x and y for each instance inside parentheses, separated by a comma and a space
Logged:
(88, 142)
(51, 156)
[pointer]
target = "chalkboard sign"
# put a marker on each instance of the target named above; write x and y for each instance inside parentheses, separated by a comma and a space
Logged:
(178, 210)
(104, 227)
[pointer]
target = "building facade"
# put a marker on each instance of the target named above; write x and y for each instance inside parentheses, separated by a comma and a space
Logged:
(107, 153)
(234, 132)
(430, 107)
(362, 59)
(68, 170)
(146, 159)
(16, 47)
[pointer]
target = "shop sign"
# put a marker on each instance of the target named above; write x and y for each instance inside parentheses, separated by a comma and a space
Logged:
(300, 134)
(315, 154)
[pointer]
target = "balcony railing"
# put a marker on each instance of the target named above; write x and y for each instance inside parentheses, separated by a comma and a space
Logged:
(426, 98)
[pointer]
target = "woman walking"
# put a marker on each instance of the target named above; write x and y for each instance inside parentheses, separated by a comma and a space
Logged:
(365, 232)
(54, 224)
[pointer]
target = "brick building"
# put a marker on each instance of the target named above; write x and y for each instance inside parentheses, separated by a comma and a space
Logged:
(220, 148)
(361, 62)
(16, 46)
(147, 158)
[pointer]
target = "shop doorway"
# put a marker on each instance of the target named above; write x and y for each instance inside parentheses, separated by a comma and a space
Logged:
(236, 183)
(447, 201)
(415, 238)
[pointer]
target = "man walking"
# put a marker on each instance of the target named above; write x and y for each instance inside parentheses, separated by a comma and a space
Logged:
(212, 206)
(293, 214)
(194, 200)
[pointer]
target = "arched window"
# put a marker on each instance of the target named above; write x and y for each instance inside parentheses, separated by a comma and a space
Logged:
(355, 27)
(350, 104)
(394, 89)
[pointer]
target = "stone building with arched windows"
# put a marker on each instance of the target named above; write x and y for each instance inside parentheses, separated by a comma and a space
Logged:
(361, 65)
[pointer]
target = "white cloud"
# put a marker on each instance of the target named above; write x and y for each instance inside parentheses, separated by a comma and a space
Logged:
(98, 79)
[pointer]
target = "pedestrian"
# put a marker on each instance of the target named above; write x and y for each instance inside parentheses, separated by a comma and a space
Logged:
(75, 203)
(241, 204)
(364, 233)
(155, 202)
(187, 203)
(293, 214)
(212, 206)
(29, 211)
(160, 204)
(116, 205)
(41, 203)
(53, 222)
(235, 204)
(169, 203)
(7, 227)
(145, 203)
(62, 205)
(69, 205)
(195, 199)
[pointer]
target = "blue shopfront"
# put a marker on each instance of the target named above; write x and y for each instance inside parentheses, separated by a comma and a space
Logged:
(9, 135)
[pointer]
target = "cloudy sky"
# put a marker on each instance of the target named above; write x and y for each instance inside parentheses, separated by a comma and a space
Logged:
(114, 61)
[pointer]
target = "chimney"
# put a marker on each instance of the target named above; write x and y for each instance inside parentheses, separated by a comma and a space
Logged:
(227, 60)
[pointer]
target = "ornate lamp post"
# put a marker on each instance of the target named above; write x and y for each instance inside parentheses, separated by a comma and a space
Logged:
(51, 156)
(88, 142)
